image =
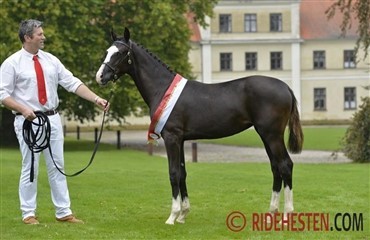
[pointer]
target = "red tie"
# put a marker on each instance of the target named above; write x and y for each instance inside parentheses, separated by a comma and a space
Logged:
(40, 81)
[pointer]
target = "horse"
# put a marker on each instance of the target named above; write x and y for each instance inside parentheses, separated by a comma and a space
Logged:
(209, 111)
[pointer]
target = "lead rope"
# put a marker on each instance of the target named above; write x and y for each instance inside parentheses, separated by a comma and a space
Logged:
(36, 135)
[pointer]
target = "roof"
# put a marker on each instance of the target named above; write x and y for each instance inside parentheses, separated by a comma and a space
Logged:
(194, 27)
(314, 23)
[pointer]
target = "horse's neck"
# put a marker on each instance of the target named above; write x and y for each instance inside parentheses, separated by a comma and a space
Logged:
(151, 77)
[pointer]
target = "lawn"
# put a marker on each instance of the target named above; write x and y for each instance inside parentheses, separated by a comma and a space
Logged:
(315, 138)
(126, 194)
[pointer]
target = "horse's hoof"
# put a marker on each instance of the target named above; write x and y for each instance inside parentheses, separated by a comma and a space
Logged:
(169, 222)
(182, 220)
(171, 219)
(182, 216)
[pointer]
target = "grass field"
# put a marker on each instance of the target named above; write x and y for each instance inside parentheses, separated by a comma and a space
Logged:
(315, 138)
(126, 194)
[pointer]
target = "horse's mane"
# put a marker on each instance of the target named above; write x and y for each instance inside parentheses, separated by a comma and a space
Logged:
(155, 57)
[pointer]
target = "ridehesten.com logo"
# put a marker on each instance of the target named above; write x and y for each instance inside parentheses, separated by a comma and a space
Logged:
(237, 221)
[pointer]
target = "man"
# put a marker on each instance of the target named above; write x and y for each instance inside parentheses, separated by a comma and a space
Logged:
(29, 82)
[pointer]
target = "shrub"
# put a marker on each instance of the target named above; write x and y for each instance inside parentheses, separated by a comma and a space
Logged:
(356, 140)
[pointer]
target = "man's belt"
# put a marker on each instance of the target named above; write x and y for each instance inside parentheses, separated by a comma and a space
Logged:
(47, 113)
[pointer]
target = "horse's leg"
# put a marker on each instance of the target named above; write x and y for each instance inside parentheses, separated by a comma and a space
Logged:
(173, 147)
(287, 173)
(285, 167)
(276, 186)
(277, 182)
(282, 169)
(185, 204)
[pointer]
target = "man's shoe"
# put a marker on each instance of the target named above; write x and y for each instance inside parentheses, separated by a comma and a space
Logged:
(31, 220)
(70, 219)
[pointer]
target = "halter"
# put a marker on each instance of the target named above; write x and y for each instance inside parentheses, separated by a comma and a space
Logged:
(128, 54)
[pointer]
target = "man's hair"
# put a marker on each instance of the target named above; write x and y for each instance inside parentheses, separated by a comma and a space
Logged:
(26, 27)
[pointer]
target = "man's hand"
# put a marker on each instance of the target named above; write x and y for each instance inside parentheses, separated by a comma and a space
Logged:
(102, 103)
(28, 114)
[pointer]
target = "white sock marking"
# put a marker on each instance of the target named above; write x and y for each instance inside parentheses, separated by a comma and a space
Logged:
(175, 210)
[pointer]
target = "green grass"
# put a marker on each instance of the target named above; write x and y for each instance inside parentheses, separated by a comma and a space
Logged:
(315, 138)
(126, 195)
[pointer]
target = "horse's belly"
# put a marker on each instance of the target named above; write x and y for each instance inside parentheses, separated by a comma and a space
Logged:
(210, 126)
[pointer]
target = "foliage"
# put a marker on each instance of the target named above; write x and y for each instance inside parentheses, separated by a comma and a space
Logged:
(77, 32)
(71, 35)
(361, 10)
(357, 138)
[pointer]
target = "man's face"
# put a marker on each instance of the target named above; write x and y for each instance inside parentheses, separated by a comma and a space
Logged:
(37, 39)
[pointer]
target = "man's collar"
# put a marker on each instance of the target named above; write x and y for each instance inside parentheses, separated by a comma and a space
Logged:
(30, 55)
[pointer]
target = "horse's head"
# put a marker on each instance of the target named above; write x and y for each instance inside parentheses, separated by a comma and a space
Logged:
(118, 59)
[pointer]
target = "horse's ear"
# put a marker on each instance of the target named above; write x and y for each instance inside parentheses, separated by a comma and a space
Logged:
(113, 35)
(126, 34)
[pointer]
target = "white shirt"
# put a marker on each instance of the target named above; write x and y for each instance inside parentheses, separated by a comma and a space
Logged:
(18, 79)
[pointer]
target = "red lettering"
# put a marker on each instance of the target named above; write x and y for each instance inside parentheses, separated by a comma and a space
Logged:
(325, 221)
(284, 221)
(268, 221)
(301, 221)
(316, 221)
(293, 221)
(276, 220)
(309, 215)
(290, 221)
(255, 220)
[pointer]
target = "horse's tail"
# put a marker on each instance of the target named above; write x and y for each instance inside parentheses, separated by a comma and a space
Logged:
(295, 141)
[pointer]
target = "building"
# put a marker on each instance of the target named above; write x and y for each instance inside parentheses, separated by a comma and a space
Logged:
(291, 40)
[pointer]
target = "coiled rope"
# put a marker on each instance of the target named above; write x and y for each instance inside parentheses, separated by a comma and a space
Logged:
(36, 135)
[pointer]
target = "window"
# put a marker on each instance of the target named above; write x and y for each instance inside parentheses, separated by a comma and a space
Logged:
(319, 99)
(225, 23)
(319, 60)
(349, 59)
(276, 59)
(250, 23)
(226, 60)
(276, 24)
(250, 61)
(349, 98)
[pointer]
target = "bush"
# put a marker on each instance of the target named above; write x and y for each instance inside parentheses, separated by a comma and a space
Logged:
(356, 140)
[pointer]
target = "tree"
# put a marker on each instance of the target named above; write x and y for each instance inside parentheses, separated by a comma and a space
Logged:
(357, 138)
(78, 33)
(71, 34)
(361, 11)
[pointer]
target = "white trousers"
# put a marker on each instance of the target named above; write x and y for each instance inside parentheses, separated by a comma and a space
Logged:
(57, 181)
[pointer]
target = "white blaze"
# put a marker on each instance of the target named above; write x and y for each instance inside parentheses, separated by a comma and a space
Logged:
(110, 51)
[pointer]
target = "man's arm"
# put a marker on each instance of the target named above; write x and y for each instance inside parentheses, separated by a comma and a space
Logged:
(11, 104)
(84, 92)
